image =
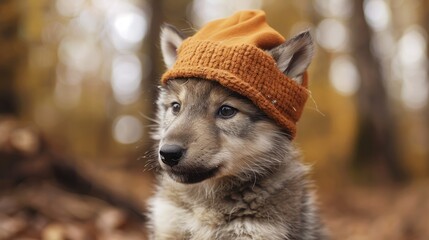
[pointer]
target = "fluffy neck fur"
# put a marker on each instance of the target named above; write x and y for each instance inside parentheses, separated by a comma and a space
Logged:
(281, 197)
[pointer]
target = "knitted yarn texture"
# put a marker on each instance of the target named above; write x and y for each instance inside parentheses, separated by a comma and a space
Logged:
(231, 52)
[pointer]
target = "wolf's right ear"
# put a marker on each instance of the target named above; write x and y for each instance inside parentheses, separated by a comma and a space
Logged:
(294, 56)
(171, 39)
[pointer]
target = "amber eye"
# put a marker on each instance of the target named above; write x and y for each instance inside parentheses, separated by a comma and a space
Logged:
(175, 107)
(226, 112)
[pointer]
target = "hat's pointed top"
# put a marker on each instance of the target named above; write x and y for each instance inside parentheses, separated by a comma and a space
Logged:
(243, 27)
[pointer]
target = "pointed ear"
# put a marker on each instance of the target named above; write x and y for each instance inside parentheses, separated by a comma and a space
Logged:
(171, 39)
(294, 55)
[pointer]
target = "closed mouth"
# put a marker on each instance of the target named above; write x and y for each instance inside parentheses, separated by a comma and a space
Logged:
(191, 175)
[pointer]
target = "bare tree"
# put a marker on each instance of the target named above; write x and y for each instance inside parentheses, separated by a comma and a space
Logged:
(376, 152)
(425, 24)
(11, 55)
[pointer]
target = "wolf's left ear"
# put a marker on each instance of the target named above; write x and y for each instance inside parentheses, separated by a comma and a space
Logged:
(294, 55)
(171, 39)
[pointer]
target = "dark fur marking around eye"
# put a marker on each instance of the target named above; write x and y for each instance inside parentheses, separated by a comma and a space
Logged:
(226, 112)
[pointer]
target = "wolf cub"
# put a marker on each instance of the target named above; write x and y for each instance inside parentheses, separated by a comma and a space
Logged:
(228, 168)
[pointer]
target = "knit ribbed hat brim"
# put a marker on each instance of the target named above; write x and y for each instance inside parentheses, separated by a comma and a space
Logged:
(247, 70)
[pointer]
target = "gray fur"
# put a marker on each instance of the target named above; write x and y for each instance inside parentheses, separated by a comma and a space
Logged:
(260, 190)
(294, 56)
(241, 177)
(171, 39)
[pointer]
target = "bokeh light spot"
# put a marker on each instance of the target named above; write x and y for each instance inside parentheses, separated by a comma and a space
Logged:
(69, 8)
(204, 11)
(126, 78)
(344, 75)
(128, 27)
(334, 8)
(412, 46)
(127, 129)
(412, 61)
(81, 54)
(332, 35)
(377, 14)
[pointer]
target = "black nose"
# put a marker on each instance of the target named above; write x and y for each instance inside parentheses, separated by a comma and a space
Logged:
(171, 154)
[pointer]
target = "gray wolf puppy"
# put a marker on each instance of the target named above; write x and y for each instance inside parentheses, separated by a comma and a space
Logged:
(228, 171)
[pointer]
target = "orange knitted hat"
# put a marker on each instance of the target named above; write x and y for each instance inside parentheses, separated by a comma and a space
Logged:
(231, 52)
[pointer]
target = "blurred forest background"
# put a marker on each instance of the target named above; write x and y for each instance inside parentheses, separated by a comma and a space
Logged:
(78, 81)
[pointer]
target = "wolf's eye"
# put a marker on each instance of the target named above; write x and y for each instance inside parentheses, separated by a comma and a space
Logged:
(226, 111)
(175, 107)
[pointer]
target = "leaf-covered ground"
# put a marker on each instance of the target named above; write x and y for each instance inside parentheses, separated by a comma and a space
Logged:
(375, 213)
(46, 211)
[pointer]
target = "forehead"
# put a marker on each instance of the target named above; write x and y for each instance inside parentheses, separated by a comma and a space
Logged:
(200, 95)
(193, 89)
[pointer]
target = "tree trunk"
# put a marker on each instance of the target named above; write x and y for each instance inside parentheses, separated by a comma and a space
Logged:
(376, 154)
(11, 55)
(153, 52)
(425, 25)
